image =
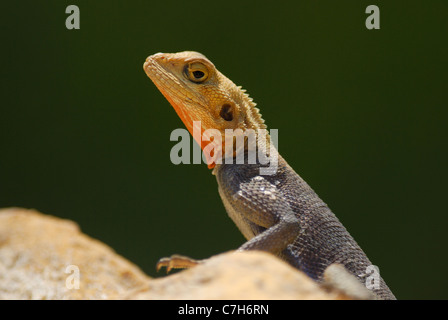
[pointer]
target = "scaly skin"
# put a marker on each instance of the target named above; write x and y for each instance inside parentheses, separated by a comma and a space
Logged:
(278, 213)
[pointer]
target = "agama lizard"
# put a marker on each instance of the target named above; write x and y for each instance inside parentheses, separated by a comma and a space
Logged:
(278, 213)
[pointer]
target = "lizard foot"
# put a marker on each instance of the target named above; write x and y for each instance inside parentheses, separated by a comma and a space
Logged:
(177, 262)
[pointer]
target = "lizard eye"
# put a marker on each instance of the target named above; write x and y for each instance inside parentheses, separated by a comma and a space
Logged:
(196, 72)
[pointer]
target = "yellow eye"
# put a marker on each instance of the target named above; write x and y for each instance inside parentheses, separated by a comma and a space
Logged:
(196, 72)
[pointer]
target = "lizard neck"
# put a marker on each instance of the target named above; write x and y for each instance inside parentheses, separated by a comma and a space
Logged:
(258, 153)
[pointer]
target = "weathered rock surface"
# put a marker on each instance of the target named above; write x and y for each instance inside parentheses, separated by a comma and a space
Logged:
(37, 250)
(44, 257)
(238, 275)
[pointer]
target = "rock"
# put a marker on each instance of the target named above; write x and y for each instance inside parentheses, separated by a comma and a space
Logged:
(44, 257)
(37, 251)
(236, 275)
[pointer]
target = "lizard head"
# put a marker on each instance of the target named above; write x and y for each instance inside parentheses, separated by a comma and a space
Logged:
(199, 92)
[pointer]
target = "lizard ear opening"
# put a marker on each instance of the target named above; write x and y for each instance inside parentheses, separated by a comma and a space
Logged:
(226, 112)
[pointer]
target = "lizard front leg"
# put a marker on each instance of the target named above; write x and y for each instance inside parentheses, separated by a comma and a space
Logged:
(177, 262)
(261, 212)
(263, 216)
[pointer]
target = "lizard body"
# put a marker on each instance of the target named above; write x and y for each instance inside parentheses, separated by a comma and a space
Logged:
(279, 213)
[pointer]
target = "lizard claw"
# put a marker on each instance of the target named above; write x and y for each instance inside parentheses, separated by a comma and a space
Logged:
(176, 262)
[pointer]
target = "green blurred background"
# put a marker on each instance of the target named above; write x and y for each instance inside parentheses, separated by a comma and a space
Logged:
(362, 116)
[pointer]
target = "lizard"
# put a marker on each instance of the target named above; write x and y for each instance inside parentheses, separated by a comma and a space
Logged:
(277, 212)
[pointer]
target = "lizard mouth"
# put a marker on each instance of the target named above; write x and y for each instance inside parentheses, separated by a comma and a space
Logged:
(155, 70)
(168, 85)
(171, 88)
